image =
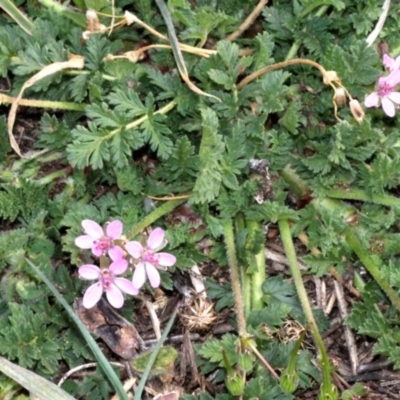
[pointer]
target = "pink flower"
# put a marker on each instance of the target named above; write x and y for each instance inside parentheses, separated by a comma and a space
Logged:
(95, 238)
(386, 94)
(107, 282)
(149, 259)
(392, 64)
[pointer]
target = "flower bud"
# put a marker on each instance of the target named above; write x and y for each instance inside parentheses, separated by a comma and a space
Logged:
(356, 110)
(246, 360)
(234, 383)
(340, 96)
(289, 381)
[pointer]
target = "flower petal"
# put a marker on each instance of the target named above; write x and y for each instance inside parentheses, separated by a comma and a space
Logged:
(126, 286)
(135, 249)
(155, 239)
(89, 272)
(166, 259)
(395, 97)
(92, 295)
(388, 107)
(118, 267)
(116, 253)
(139, 276)
(114, 296)
(92, 229)
(84, 242)
(114, 229)
(153, 275)
(393, 78)
(372, 100)
(387, 61)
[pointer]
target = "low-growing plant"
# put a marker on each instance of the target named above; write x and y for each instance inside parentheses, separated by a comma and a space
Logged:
(134, 126)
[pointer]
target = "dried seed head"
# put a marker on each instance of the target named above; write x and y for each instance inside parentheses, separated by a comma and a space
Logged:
(199, 315)
(356, 110)
(340, 96)
(92, 21)
(130, 18)
(331, 76)
(134, 56)
(93, 25)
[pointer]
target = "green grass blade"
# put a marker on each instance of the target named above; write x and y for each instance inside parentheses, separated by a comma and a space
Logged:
(180, 62)
(105, 365)
(23, 21)
(35, 384)
(153, 357)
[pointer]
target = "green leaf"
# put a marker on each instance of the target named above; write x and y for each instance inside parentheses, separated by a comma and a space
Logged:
(212, 147)
(35, 384)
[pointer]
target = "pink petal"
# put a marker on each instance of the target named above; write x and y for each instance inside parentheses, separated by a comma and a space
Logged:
(387, 61)
(114, 296)
(84, 242)
(97, 251)
(114, 229)
(89, 272)
(92, 229)
(388, 107)
(395, 97)
(118, 267)
(156, 239)
(139, 276)
(166, 259)
(126, 286)
(92, 295)
(393, 78)
(372, 100)
(116, 253)
(153, 275)
(135, 249)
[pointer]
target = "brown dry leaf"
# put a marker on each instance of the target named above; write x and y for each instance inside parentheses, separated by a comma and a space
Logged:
(168, 396)
(75, 62)
(119, 334)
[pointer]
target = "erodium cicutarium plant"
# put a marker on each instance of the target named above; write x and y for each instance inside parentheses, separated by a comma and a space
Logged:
(117, 258)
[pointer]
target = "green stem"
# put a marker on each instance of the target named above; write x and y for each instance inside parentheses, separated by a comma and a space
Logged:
(235, 279)
(153, 357)
(244, 276)
(371, 265)
(286, 237)
(139, 121)
(358, 194)
(165, 208)
(258, 275)
(59, 105)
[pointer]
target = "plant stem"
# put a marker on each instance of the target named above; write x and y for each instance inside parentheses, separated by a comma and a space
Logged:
(371, 265)
(258, 271)
(235, 279)
(286, 237)
(358, 194)
(165, 208)
(59, 105)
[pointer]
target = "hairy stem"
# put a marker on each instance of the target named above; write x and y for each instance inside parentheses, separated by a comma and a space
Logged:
(258, 269)
(165, 208)
(235, 278)
(286, 237)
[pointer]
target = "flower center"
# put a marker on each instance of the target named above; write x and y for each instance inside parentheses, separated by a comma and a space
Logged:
(103, 244)
(106, 280)
(384, 89)
(150, 257)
